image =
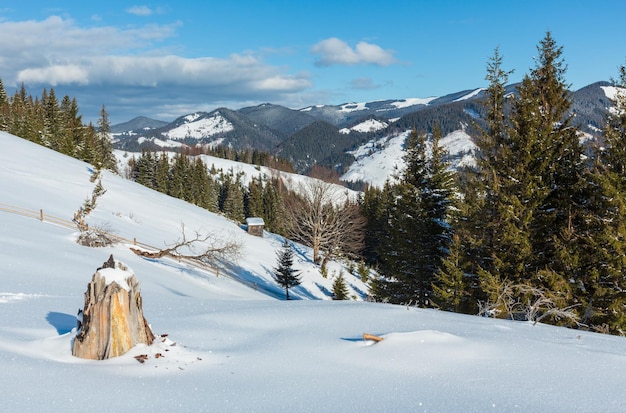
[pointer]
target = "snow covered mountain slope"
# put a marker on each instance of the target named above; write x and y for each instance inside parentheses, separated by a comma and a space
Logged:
(380, 160)
(233, 348)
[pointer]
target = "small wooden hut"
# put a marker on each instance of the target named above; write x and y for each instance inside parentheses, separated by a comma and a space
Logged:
(255, 226)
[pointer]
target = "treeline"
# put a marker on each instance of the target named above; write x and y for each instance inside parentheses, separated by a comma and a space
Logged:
(188, 178)
(537, 231)
(56, 125)
(249, 156)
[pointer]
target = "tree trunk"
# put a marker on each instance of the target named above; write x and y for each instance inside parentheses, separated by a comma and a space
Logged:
(112, 319)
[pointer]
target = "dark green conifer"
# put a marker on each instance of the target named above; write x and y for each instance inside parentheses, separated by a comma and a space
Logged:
(418, 233)
(340, 289)
(284, 273)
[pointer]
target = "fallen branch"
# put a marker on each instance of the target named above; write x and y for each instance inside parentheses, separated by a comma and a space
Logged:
(372, 337)
(205, 249)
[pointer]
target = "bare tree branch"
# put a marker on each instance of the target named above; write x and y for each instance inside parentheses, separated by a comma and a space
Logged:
(318, 219)
(525, 301)
(204, 248)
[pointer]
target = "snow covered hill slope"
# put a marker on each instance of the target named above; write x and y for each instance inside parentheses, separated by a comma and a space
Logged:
(231, 348)
(380, 160)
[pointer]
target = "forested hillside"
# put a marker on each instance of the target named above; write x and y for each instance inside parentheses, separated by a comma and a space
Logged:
(57, 125)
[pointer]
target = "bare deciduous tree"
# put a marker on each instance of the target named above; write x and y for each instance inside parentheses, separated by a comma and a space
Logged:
(205, 248)
(319, 219)
(524, 301)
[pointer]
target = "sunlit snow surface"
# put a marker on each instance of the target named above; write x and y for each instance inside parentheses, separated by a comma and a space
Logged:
(224, 347)
(382, 160)
(200, 128)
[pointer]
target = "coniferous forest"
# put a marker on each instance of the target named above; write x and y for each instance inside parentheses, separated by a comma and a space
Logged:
(534, 230)
(57, 125)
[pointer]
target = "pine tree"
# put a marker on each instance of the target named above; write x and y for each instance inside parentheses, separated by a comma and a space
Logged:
(254, 198)
(104, 148)
(494, 232)
(73, 137)
(418, 234)
(146, 166)
(450, 288)
(601, 284)
(51, 133)
(340, 289)
(5, 108)
(162, 173)
(274, 208)
(375, 207)
(232, 205)
(178, 176)
(284, 274)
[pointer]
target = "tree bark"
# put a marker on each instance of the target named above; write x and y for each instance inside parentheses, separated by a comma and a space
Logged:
(112, 318)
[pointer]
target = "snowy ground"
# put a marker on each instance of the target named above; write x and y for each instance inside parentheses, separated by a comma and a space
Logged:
(381, 160)
(231, 348)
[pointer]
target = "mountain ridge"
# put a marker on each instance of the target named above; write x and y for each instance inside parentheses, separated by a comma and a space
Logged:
(336, 130)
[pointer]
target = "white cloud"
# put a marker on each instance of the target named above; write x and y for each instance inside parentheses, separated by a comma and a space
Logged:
(55, 75)
(334, 51)
(140, 10)
(127, 71)
(56, 51)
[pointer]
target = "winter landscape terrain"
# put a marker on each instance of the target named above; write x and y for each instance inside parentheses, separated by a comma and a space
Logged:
(233, 342)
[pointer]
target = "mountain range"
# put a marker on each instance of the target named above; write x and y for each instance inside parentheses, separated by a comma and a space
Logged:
(331, 135)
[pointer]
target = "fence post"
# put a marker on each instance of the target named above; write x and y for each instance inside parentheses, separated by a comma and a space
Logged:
(41, 214)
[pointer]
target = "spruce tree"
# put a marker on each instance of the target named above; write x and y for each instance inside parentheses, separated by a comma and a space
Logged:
(4, 108)
(600, 286)
(450, 289)
(51, 134)
(340, 289)
(146, 165)
(233, 198)
(162, 173)
(104, 148)
(284, 273)
(73, 138)
(178, 176)
(274, 208)
(254, 198)
(418, 233)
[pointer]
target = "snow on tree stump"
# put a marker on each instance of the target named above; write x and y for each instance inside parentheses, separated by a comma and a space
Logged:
(112, 320)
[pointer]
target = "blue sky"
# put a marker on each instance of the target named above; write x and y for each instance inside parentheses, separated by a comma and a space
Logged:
(168, 59)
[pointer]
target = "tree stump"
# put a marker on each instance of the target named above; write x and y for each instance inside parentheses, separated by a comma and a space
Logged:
(112, 319)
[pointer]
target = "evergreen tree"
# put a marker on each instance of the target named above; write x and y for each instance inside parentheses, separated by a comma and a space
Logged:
(52, 121)
(162, 173)
(5, 108)
(179, 176)
(146, 166)
(375, 207)
(494, 232)
(419, 232)
(340, 289)
(601, 285)
(232, 205)
(450, 288)
(254, 198)
(104, 157)
(23, 122)
(273, 208)
(284, 273)
(73, 138)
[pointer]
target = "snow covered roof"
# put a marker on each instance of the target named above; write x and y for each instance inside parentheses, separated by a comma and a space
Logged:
(255, 221)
